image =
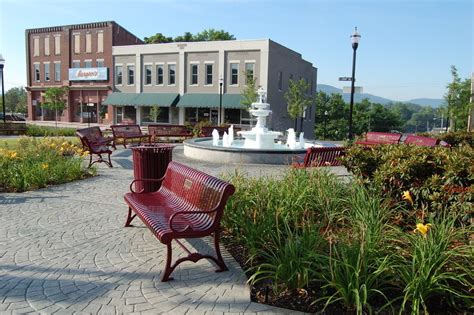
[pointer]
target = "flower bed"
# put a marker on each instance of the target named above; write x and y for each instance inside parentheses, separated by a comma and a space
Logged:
(37, 163)
(312, 243)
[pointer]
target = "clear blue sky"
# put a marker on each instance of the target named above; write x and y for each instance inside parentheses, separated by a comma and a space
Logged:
(406, 49)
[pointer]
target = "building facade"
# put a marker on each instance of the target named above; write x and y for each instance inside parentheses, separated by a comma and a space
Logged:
(191, 82)
(78, 57)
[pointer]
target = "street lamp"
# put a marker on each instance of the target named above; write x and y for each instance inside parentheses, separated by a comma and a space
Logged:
(355, 38)
(325, 122)
(2, 63)
(221, 82)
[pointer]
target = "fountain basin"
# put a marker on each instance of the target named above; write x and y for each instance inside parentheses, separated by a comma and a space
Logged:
(202, 149)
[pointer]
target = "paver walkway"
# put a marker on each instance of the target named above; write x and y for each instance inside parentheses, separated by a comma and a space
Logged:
(64, 250)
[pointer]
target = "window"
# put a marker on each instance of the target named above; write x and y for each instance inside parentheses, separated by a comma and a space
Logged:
(46, 71)
(46, 46)
(194, 74)
(57, 71)
(76, 64)
(36, 43)
(234, 73)
(147, 74)
(118, 75)
(77, 43)
(131, 75)
(100, 63)
(88, 63)
(100, 42)
(159, 75)
(249, 70)
(88, 43)
(280, 80)
(171, 74)
(57, 44)
(37, 72)
(209, 74)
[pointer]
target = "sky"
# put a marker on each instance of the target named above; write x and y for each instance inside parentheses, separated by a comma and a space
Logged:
(406, 49)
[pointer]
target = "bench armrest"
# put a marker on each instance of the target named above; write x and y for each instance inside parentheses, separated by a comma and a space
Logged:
(188, 228)
(143, 180)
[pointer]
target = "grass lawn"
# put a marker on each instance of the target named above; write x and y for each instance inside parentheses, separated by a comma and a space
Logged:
(12, 143)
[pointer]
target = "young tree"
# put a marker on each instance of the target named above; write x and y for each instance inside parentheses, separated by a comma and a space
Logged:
(213, 35)
(204, 36)
(332, 126)
(249, 93)
(157, 39)
(154, 113)
(54, 100)
(297, 98)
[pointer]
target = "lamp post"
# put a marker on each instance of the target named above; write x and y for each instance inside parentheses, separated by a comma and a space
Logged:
(221, 82)
(325, 123)
(2, 63)
(355, 38)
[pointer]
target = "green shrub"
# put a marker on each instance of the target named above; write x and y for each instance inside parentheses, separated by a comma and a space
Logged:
(37, 163)
(437, 178)
(455, 138)
(45, 131)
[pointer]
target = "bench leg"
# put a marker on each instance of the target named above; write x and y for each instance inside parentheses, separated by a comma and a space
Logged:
(168, 269)
(219, 261)
(130, 217)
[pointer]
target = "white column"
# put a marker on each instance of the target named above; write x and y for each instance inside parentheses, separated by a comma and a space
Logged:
(138, 73)
(181, 72)
(181, 115)
(138, 114)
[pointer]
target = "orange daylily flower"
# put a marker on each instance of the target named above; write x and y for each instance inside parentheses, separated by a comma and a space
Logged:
(407, 196)
(422, 228)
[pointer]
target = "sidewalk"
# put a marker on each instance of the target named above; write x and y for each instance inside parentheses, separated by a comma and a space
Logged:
(64, 250)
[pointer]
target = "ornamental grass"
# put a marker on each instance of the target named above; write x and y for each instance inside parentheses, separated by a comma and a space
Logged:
(37, 163)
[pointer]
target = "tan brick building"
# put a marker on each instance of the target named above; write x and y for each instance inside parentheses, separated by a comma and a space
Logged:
(79, 57)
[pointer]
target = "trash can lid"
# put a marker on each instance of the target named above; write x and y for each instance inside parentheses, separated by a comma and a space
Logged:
(153, 146)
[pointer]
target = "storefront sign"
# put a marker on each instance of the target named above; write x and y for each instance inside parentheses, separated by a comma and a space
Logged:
(88, 74)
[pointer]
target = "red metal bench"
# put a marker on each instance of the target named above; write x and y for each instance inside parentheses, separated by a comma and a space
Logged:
(95, 146)
(374, 138)
(189, 204)
(94, 134)
(165, 130)
(323, 156)
(126, 132)
(421, 141)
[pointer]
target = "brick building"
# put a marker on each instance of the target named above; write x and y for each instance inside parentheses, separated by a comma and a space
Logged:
(78, 57)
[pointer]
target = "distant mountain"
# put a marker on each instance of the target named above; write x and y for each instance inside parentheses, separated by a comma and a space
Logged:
(377, 99)
(433, 102)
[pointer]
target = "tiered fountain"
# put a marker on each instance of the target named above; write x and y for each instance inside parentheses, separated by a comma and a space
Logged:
(258, 145)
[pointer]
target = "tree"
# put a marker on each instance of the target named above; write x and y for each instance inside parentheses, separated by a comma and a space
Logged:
(297, 98)
(457, 99)
(54, 100)
(15, 100)
(204, 36)
(213, 35)
(154, 112)
(157, 39)
(332, 126)
(249, 93)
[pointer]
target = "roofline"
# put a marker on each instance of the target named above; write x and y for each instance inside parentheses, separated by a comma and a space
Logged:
(72, 26)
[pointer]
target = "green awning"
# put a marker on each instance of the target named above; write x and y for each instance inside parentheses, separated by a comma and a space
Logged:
(206, 100)
(142, 99)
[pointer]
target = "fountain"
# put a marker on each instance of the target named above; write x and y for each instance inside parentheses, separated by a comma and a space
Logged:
(260, 137)
(256, 145)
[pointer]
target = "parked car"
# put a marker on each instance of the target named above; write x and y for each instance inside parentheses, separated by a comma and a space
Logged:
(12, 117)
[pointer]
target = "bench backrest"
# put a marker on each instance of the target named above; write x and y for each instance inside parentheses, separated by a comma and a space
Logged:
(91, 133)
(383, 137)
(421, 141)
(323, 156)
(123, 131)
(197, 191)
(165, 130)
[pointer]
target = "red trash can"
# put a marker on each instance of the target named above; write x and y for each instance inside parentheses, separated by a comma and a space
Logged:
(150, 162)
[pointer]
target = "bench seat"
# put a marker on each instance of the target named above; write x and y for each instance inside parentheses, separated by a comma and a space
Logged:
(189, 204)
(166, 130)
